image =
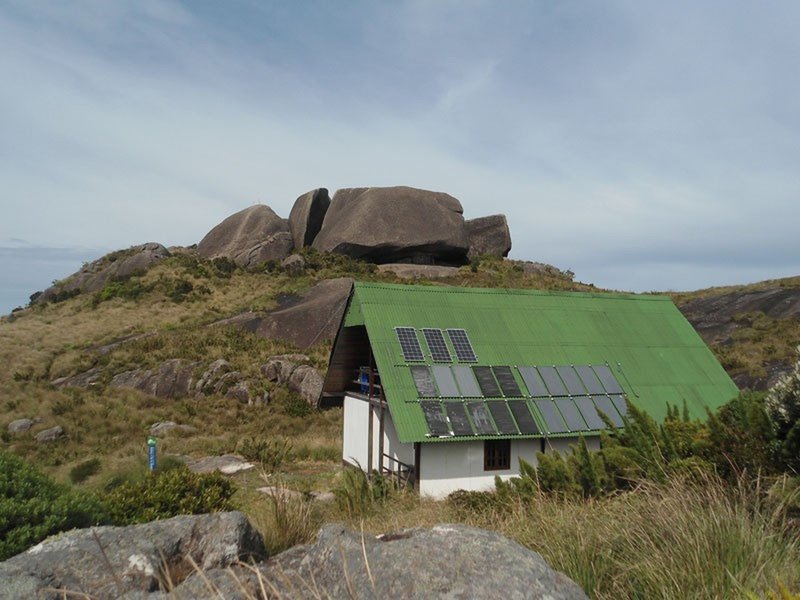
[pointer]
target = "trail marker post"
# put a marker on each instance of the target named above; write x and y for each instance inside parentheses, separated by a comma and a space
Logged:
(151, 447)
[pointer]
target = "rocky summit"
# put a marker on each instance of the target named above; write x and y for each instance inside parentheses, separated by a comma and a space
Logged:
(222, 556)
(250, 237)
(395, 224)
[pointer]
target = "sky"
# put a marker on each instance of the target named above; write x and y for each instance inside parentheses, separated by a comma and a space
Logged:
(642, 145)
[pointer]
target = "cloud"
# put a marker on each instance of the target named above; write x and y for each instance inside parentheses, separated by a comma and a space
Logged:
(615, 137)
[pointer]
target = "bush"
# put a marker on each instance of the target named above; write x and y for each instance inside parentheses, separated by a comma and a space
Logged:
(357, 495)
(33, 506)
(783, 407)
(81, 472)
(168, 494)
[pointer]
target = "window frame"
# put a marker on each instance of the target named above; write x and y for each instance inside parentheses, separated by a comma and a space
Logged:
(497, 455)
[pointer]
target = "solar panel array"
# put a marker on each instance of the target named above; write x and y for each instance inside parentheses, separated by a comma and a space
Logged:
(409, 344)
(462, 345)
(564, 399)
(436, 345)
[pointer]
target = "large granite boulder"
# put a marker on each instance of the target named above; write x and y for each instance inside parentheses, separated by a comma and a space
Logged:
(307, 216)
(395, 224)
(307, 382)
(130, 562)
(250, 237)
(115, 266)
(446, 561)
(305, 320)
(489, 235)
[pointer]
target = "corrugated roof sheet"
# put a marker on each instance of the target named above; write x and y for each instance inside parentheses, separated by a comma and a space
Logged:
(655, 353)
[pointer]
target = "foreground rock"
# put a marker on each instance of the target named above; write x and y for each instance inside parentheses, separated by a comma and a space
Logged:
(395, 224)
(114, 266)
(49, 435)
(304, 321)
(227, 464)
(307, 216)
(249, 237)
(447, 561)
(488, 235)
(110, 562)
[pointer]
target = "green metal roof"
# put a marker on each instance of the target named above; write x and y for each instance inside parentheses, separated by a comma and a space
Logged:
(656, 354)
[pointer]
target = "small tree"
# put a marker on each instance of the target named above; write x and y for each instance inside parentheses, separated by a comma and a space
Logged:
(783, 408)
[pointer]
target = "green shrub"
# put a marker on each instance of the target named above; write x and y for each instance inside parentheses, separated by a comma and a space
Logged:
(167, 494)
(270, 454)
(33, 506)
(357, 495)
(81, 472)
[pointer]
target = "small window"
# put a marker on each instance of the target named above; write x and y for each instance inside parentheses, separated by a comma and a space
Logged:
(496, 455)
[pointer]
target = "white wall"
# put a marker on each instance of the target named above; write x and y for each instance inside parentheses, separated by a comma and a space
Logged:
(562, 445)
(356, 430)
(450, 466)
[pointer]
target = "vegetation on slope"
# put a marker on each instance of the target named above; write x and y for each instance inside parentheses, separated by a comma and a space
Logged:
(683, 510)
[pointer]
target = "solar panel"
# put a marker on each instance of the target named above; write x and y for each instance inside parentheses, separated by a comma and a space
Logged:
(570, 379)
(604, 404)
(481, 419)
(466, 382)
(533, 380)
(553, 382)
(507, 382)
(589, 413)
(462, 345)
(457, 413)
(502, 417)
(438, 349)
(571, 415)
(409, 343)
(552, 418)
(486, 381)
(620, 405)
(423, 381)
(445, 382)
(437, 422)
(521, 412)
(589, 379)
(606, 376)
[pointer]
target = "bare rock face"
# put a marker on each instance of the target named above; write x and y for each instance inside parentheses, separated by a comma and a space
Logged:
(114, 266)
(49, 435)
(250, 237)
(303, 321)
(446, 561)
(21, 425)
(307, 216)
(227, 464)
(307, 381)
(395, 224)
(172, 379)
(489, 235)
(116, 562)
(81, 380)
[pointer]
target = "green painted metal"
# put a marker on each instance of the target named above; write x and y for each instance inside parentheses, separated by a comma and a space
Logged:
(655, 353)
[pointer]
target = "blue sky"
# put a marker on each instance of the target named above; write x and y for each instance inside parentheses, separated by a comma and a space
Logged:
(643, 145)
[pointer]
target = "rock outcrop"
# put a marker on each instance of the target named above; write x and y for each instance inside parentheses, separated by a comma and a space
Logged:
(21, 425)
(49, 435)
(307, 382)
(227, 464)
(118, 265)
(174, 378)
(395, 224)
(307, 215)
(130, 562)
(446, 561)
(294, 264)
(249, 237)
(488, 235)
(162, 428)
(303, 321)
